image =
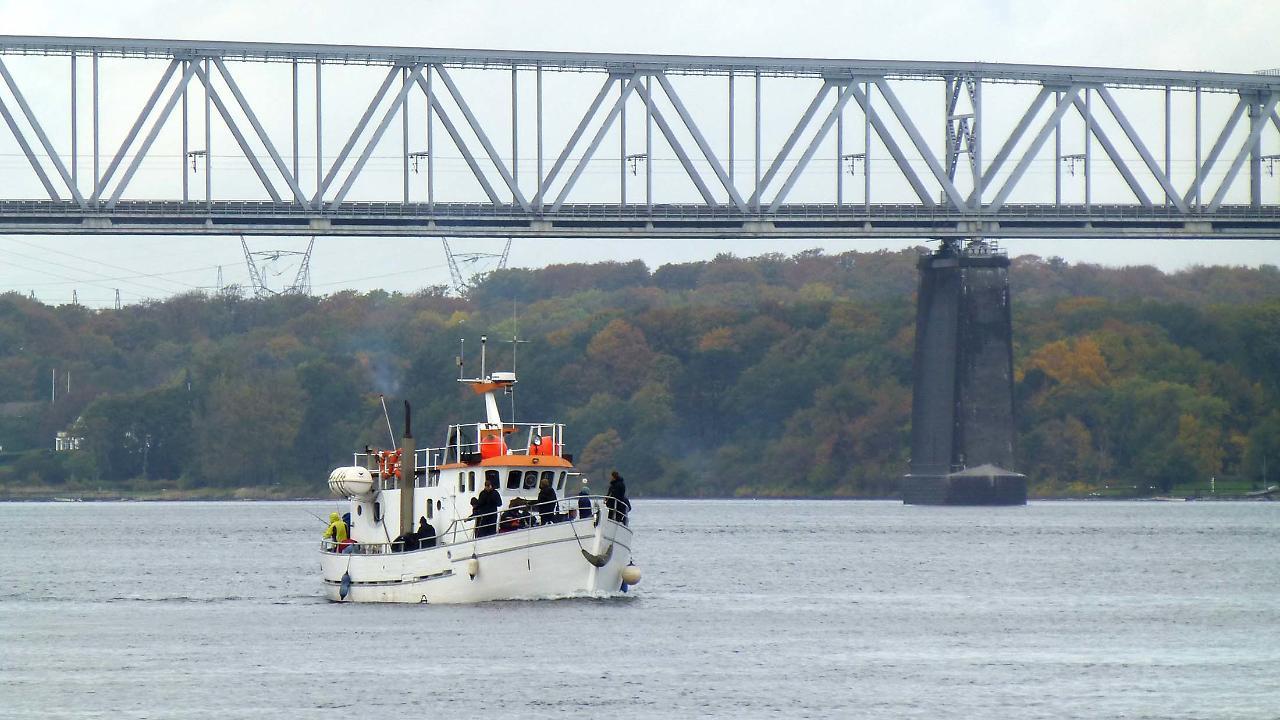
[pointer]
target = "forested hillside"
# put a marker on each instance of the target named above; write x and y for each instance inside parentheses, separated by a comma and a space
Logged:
(768, 376)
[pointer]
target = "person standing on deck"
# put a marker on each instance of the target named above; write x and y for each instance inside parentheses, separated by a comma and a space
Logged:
(486, 510)
(547, 502)
(584, 502)
(337, 530)
(616, 498)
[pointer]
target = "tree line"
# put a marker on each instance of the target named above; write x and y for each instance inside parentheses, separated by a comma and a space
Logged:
(779, 375)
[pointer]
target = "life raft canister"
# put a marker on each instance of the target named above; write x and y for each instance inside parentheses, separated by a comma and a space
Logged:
(492, 444)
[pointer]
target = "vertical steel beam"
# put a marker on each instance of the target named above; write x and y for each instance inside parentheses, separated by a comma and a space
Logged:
(406, 84)
(648, 148)
(866, 150)
(1256, 120)
(1199, 136)
(429, 74)
(839, 159)
(515, 132)
(96, 154)
(319, 131)
(622, 145)
(208, 140)
(1057, 153)
(1168, 141)
(75, 137)
(296, 123)
(186, 129)
(755, 192)
(731, 114)
(404, 137)
(975, 162)
(537, 198)
(1088, 149)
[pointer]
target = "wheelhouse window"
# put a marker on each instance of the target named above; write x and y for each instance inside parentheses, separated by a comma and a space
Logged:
(494, 477)
(549, 476)
(462, 481)
(560, 483)
(530, 479)
(471, 481)
(513, 480)
(433, 478)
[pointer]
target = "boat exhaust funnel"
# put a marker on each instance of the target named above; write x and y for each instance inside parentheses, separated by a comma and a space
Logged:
(408, 474)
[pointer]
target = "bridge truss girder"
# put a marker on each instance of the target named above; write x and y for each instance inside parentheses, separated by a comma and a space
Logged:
(1218, 198)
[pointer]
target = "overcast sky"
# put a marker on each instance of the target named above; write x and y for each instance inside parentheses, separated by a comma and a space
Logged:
(1223, 35)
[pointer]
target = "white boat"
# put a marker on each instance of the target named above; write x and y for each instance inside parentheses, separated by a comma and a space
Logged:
(581, 547)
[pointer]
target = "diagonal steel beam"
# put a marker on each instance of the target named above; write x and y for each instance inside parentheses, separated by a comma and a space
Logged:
(545, 183)
(26, 150)
(1275, 119)
(1268, 108)
(100, 183)
(245, 149)
(939, 173)
(290, 177)
(787, 146)
(1116, 158)
(890, 144)
(434, 103)
(476, 128)
(818, 137)
(42, 137)
(975, 197)
(392, 109)
(318, 199)
(151, 135)
(703, 145)
(1218, 146)
(1165, 181)
(1072, 94)
(690, 169)
(595, 141)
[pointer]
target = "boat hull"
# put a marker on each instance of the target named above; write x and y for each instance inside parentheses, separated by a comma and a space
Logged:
(548, 561)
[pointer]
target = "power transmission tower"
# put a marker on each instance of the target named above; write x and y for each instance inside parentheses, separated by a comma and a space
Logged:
(462, 283)
(301, 281)
(117, 298)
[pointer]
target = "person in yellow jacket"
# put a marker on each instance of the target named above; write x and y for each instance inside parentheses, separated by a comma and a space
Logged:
(337, 530)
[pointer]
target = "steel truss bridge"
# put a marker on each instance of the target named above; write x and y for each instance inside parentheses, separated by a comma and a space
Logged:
(121, 136)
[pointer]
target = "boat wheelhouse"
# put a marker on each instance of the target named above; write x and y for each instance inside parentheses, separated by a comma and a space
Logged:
(526, 549)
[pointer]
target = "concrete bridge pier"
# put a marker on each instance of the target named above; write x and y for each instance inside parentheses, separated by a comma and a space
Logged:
(962, 404)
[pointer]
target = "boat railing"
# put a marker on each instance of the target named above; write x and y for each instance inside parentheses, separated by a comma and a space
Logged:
(504, 522)
(473, 440)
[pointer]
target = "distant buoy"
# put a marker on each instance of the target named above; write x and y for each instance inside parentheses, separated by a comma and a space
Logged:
(346, 586)
(473, 567)
(631, 575)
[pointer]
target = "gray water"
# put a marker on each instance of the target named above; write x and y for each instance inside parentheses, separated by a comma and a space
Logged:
(747, 609)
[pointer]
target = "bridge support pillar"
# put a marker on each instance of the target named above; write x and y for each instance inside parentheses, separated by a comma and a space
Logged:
(962, 403)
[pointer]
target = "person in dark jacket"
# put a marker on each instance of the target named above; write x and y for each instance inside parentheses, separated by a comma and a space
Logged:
(584, 502)
(546, 503)
(486, 510)
(426, 534)
(616, 498)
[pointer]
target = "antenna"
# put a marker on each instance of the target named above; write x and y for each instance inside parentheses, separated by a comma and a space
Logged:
(484, 340)
(462, 355)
